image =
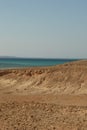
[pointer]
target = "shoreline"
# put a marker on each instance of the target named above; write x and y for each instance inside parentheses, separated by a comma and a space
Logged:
(27, 63)
(44, 66)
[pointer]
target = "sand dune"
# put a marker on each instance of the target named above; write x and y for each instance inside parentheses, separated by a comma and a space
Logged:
(44, 98)
(70, 78)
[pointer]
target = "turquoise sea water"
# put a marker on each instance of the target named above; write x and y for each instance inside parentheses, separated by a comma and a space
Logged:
(26, 62)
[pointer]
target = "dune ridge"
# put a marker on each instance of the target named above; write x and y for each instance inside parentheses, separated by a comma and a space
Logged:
(70, 78)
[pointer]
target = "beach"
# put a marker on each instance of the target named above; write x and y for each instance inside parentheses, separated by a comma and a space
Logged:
(44, 98)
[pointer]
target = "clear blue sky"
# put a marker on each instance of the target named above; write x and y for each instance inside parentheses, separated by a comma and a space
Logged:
(43, 28)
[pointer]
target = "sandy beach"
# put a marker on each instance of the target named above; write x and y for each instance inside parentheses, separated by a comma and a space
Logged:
(44, 98)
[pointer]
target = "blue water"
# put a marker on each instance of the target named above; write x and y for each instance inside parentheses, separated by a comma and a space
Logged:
(26, 62)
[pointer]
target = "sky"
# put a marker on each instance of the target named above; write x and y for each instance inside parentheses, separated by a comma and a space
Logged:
(43, 28)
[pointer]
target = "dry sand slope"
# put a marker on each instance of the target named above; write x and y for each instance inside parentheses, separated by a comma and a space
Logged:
(44, 98)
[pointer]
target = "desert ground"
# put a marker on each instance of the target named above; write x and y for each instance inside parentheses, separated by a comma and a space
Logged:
(44, 98)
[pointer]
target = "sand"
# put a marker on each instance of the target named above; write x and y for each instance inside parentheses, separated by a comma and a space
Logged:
(44, 98)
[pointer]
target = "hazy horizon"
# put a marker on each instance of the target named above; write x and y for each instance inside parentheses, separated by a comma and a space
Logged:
(43, 29)
(7, 57)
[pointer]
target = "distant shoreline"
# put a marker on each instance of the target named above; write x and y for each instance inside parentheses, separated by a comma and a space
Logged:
(40, 67)
(9, 63)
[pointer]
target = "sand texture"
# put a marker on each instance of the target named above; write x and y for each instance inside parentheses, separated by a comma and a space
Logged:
(44, 98)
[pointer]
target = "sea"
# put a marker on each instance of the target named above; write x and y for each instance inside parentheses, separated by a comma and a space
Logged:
(6, 63)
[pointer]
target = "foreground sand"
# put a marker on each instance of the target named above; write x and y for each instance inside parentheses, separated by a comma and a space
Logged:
(46, 98)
